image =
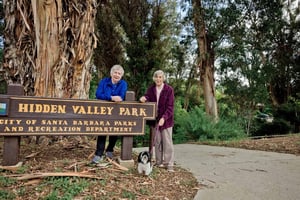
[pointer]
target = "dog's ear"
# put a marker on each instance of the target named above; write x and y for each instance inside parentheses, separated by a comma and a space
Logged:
(140, 157)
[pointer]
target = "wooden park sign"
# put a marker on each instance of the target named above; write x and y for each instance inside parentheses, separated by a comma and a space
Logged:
(50, 116)
(25, 116)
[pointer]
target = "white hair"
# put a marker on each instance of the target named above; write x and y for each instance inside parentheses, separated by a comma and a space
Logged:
(115, 68)
(159, 72)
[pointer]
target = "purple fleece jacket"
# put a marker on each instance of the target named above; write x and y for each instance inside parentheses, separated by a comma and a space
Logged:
(165, 104)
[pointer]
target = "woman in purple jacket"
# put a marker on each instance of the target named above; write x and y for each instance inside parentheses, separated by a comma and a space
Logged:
(163, 95)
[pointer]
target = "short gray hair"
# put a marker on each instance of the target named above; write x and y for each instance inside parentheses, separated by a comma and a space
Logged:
(115, 68)
(159, 72)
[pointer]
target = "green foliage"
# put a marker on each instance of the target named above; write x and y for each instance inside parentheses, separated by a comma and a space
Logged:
(7, 195)
(5, 182)
(137, 35)
(144, 191)
(277, 127)
(1, 55)
(286, 120)
(290, 112)
(198, 126)
(52, 196)
(21, 191)
(142, 140)
(3, 87)
(128, 195)
(93, 86)
(65, 188)
(179, 133)
(22, 169)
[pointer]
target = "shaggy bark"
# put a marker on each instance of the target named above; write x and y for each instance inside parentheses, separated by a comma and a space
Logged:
(49, 45)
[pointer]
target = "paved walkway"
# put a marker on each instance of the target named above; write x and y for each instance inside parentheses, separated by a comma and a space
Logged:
(238, 174)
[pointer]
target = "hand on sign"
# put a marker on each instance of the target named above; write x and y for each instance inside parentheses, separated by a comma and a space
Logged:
(143, 99)
(116, 98)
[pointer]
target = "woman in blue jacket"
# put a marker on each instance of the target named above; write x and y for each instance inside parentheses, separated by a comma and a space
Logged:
(111, 88)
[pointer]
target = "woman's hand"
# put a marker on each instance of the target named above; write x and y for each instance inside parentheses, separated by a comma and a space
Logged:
(161, 122)
(116, 98)
(143, 99)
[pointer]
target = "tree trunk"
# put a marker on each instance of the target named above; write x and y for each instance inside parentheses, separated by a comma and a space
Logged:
(206, 60)
(49, 45)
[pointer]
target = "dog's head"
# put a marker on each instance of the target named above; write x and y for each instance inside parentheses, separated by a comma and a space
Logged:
(144, 157)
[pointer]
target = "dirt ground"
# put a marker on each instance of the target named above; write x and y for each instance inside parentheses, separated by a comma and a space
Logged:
(282, 144)
(67, 159)
(106, 181)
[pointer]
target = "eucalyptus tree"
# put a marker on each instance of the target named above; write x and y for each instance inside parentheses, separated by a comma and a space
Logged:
(48, 46)
(206, 58)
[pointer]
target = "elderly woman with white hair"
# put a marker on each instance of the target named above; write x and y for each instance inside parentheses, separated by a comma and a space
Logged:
(111, 88)
(163, 94)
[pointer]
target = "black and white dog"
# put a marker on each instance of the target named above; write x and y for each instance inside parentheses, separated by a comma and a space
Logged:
(144, 163)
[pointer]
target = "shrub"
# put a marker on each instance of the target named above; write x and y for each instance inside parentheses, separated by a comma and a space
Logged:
(198, 126)
(277, 127)
(179, 133)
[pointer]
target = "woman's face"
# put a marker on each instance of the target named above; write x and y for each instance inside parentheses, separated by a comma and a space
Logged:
(159, 80)
(116, 76)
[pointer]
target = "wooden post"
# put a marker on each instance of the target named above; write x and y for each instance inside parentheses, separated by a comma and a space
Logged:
(11, 145)
(127, 141)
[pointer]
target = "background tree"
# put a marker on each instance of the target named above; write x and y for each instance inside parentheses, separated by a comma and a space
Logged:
(147, 28)
(206, 59)
(110, 50)
(48, 46)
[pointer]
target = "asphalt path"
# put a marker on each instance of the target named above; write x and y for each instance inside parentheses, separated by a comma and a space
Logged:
(238, 174)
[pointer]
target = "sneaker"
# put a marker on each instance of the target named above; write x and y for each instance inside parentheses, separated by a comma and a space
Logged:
(109, 154)
(97, 159)
(160, 165)
(170, 169)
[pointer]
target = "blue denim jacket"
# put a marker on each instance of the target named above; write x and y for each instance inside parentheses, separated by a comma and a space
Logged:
(106, 89)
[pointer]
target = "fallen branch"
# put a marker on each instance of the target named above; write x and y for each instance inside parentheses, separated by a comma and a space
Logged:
(53, 174)
(117, 165)
(12, 168)
(32, 155)
(74, 165)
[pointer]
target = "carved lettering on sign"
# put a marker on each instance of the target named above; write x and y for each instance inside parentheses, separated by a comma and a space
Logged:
(41, 108)
(92, 110)
(46, 116)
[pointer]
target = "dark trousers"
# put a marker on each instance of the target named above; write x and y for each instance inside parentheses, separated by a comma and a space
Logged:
(101, 139)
